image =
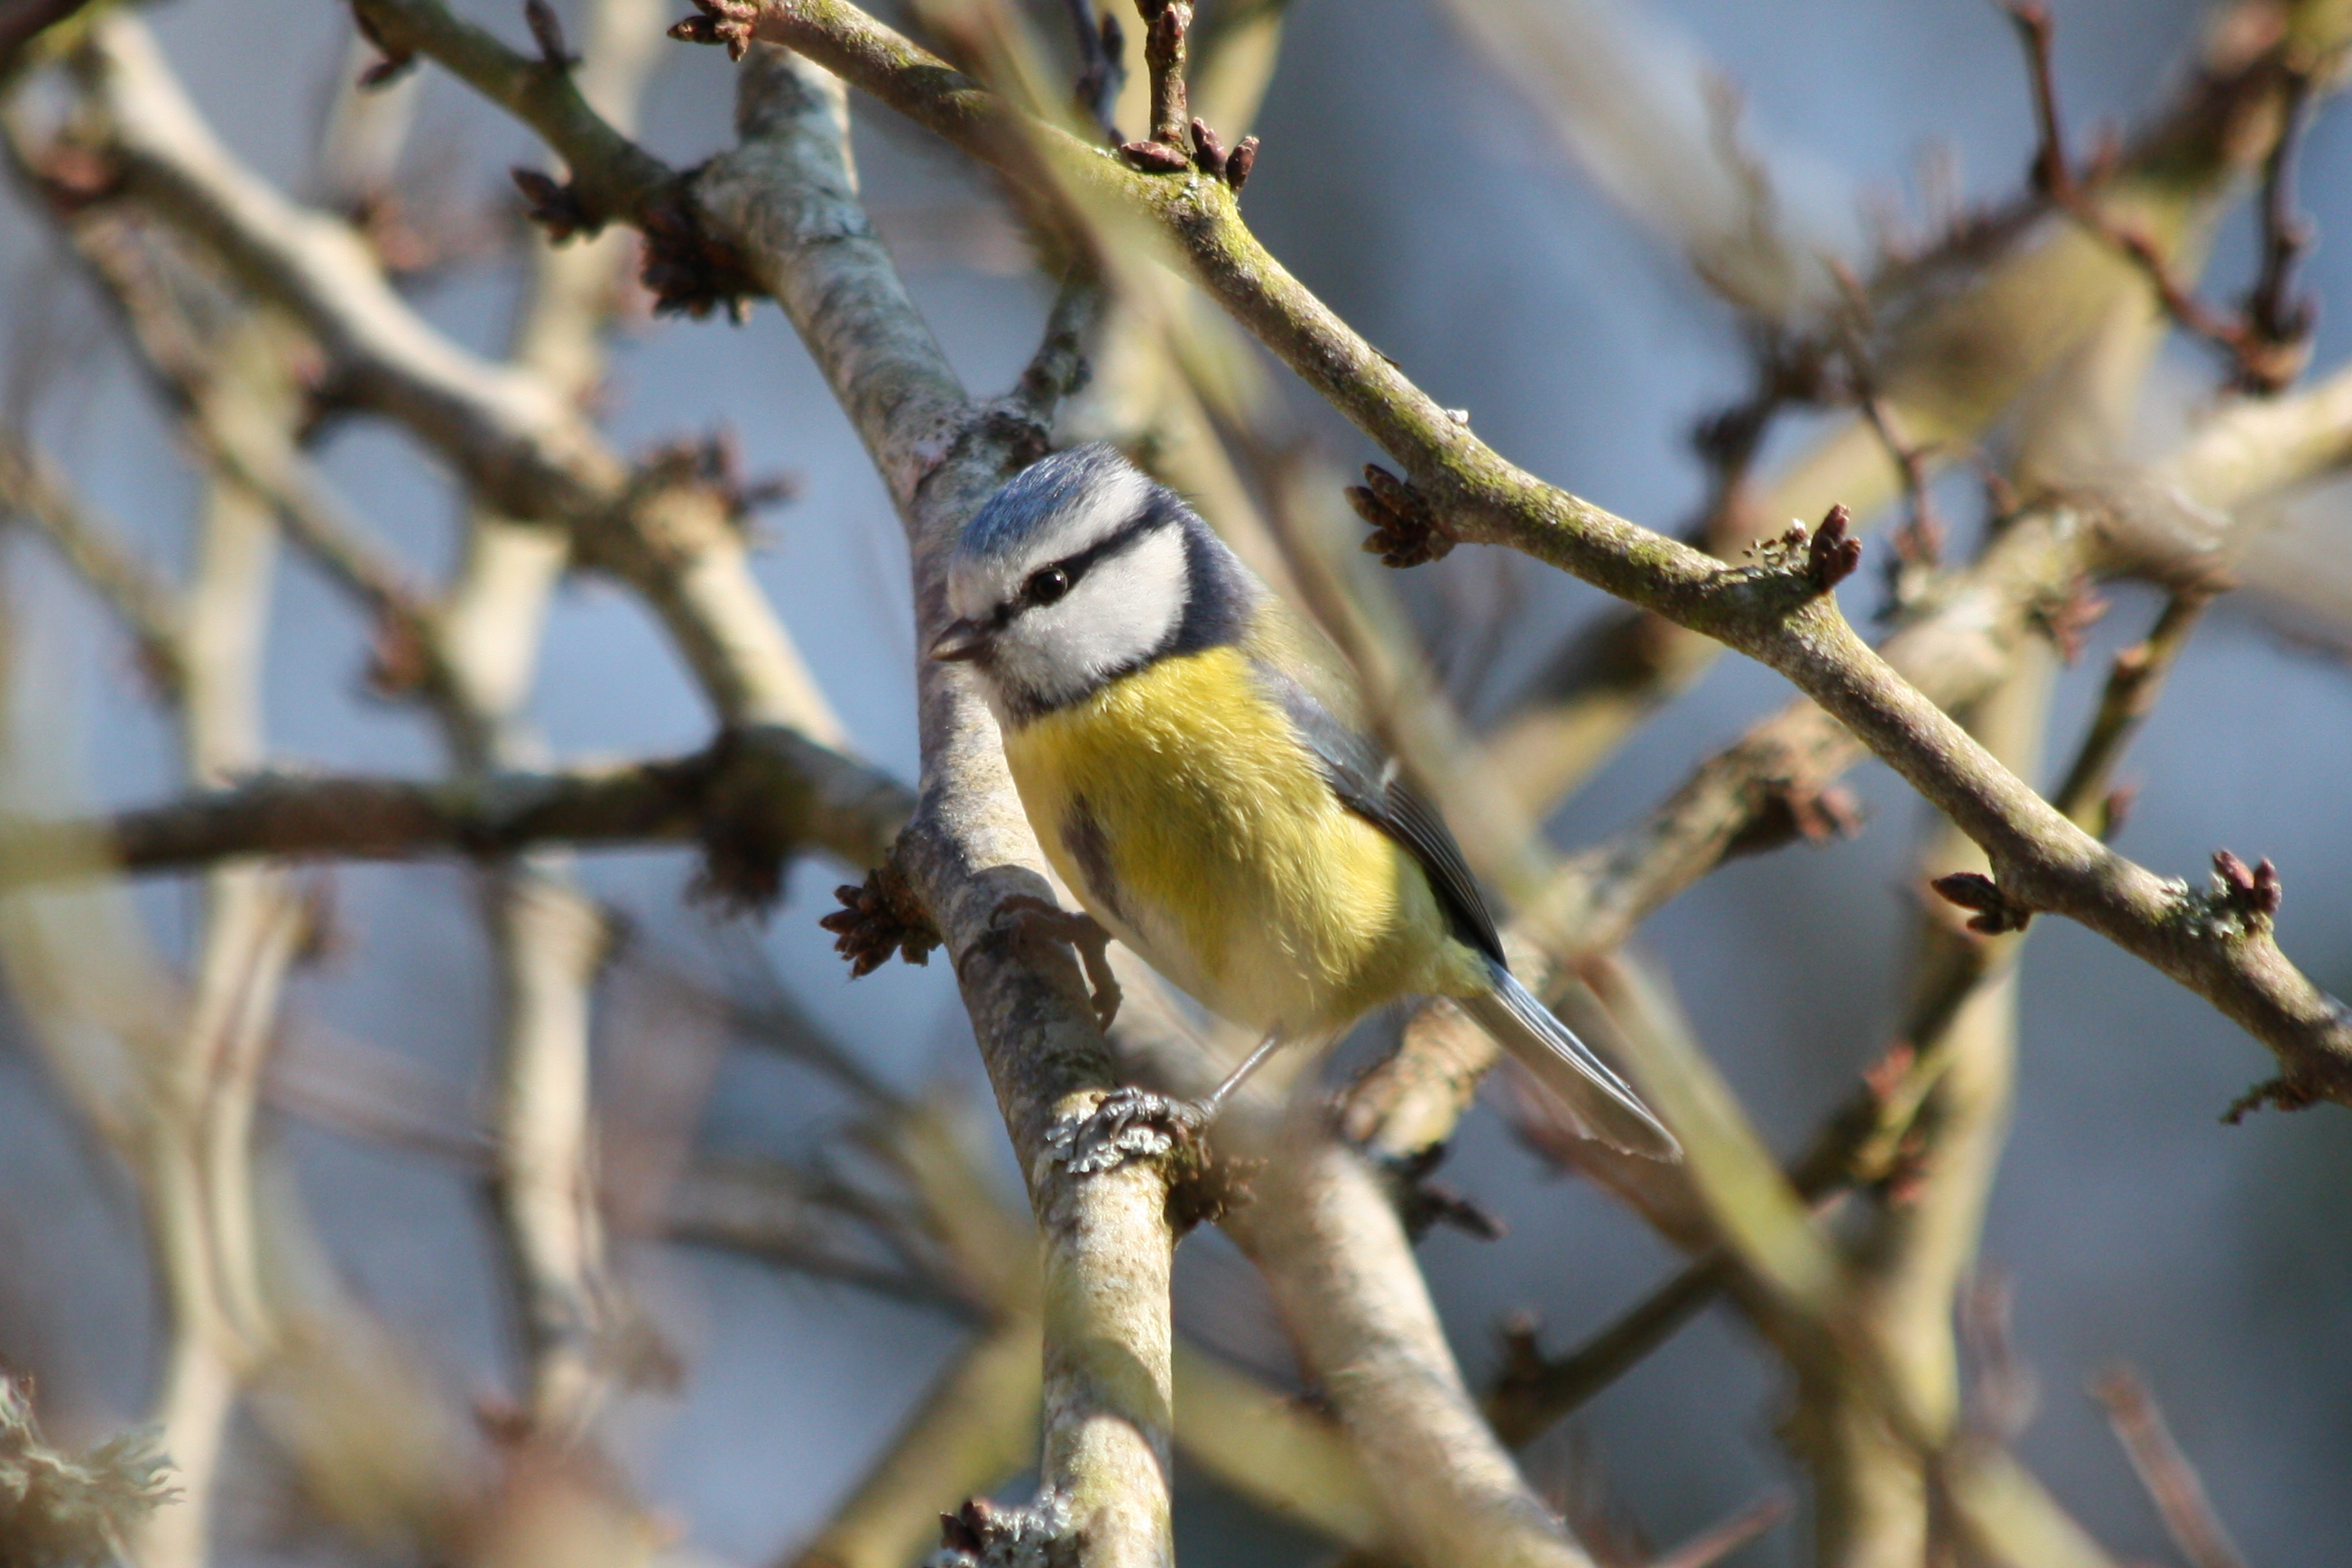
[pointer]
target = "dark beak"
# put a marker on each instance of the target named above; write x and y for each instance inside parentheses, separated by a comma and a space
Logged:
(962, 641)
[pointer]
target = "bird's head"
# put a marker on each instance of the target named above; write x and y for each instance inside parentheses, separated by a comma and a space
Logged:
(1078, 571)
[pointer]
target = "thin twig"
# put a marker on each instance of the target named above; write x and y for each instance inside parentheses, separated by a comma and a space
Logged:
(1165, 25)
(34, 488)
(2133, 683)
(1959, 350)
(1719, 1541)
(768, 791)
(1102, 66)
(2172, 1481)
(2268, 342)
(1919, 543)
(2275, 314)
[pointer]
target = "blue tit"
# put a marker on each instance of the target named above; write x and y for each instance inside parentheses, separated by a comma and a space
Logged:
(1194, 758)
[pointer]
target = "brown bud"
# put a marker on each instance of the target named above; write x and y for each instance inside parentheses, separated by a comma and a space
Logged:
(1833, 552)
(554, 207)
(1240, 162)
(1154, 157)
(1996, 911)
(2257, 891)
(2070, 623)
(1209, 149)
(728, 22)
(2117, 809)
(878, 918)
(1406, 530)
(385, 71)
(546, 32)
(970, 1528)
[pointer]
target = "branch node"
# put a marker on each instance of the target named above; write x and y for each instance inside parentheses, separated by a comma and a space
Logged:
(400, 656)
(746, 831)
(2068, 621)
(396, 64)
(879, 916)
(1996, 911)
(1794, 808)
(688, 269)
(2283, 1093)
(728, 22)
(1405, 529)
(2116, 809)
(1203, 1187)
(714, 463)
(1522, 1369)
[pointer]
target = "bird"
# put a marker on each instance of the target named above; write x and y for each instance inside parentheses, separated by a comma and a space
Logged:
(1196, 761)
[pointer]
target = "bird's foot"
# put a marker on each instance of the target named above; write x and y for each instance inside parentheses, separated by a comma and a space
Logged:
(1128, 1123)
(1132, 1124)
(1084, 934)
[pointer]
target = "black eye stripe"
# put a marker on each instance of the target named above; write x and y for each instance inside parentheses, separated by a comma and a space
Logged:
(1076, 565)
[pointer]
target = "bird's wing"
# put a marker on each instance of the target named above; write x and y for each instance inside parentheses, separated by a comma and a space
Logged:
(1307, 675)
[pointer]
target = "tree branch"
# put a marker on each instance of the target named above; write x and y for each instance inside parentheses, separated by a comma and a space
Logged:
(31, 487)
(2165, 1470)
(1324, 1233)
(754, 792)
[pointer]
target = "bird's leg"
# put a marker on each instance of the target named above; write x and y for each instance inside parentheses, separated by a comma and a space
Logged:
(1086, 936)
(1216, 1100)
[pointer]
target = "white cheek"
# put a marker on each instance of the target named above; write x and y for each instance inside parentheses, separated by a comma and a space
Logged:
(1122, 612)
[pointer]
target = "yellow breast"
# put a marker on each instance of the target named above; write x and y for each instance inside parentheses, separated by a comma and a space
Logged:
(1181, 809)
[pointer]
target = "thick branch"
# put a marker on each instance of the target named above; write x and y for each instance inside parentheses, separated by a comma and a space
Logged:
(1324, 1234)
(787, 199)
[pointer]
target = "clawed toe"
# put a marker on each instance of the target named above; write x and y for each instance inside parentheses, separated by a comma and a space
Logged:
(1086, 936)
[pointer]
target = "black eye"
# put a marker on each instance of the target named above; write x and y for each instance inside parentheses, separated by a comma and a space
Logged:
(1047, 585)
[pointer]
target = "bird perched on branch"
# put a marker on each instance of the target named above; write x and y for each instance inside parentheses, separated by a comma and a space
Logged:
(1195, 760)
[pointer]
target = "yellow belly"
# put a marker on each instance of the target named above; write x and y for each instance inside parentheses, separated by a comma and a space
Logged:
(1181, 809)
